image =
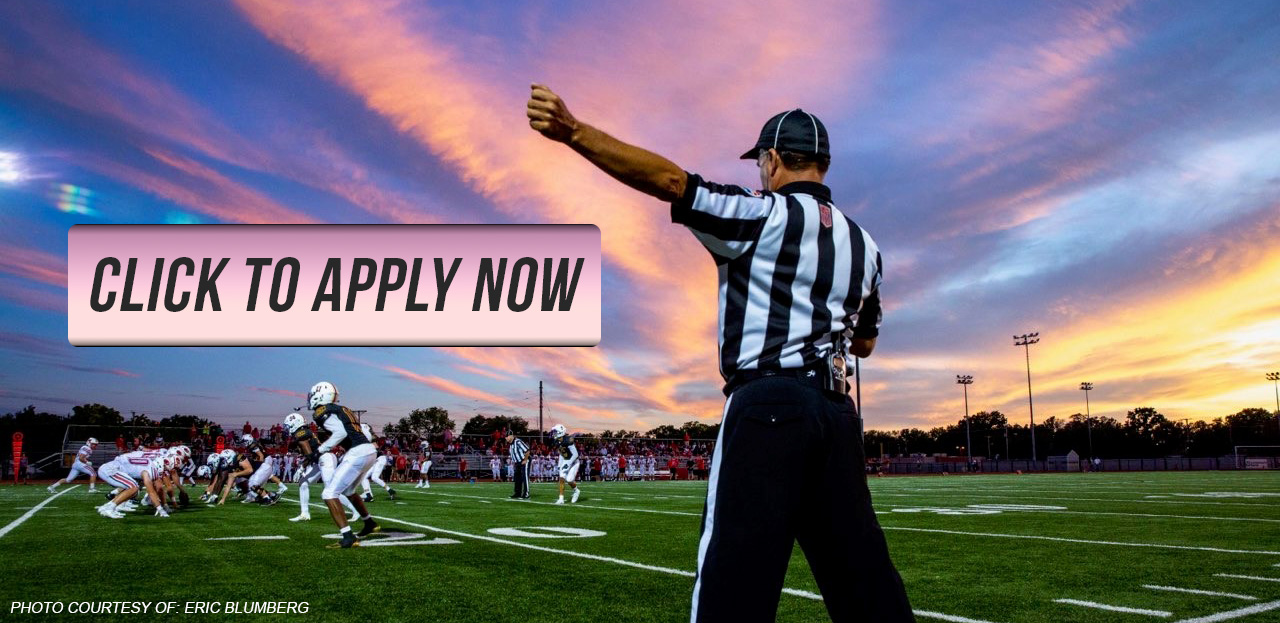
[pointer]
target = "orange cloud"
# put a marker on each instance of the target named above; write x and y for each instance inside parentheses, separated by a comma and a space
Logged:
(380, 52)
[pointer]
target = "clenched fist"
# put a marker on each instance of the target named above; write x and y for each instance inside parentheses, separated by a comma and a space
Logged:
(548, 114)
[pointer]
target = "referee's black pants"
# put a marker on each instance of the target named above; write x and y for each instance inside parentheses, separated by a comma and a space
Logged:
(788, 467)
(521, 478)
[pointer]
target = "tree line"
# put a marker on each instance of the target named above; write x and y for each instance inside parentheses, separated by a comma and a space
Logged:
(1143, 433)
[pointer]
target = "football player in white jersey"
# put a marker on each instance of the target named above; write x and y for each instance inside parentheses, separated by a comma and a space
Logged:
(424, 475)
(81, 465)
(316, 467)
(375, 473)
(126, 472)
(567, 466)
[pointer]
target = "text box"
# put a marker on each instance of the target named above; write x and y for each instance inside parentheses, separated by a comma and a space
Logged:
(333, 285)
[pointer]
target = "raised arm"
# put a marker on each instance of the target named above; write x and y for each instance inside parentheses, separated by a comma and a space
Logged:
(638, 168)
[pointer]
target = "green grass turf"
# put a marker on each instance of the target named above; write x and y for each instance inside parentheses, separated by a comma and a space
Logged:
(950, 562)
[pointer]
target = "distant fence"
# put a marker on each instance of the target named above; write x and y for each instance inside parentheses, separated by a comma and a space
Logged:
(1171, 464)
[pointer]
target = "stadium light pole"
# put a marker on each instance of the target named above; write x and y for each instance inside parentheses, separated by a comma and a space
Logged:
(1025, 341)
(965, 381)
(1088, 418)
(1274, 377)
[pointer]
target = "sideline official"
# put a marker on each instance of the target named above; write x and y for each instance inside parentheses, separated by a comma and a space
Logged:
(799, 292)
(519, 459)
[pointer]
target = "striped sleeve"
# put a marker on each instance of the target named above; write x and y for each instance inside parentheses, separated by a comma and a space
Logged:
(870, 314)
(726, 219)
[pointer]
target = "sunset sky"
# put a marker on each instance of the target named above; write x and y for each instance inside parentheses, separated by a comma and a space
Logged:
(1104, 173)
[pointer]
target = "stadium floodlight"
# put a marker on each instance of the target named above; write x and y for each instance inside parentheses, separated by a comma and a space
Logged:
(1274, 377)
(1088, 417)
(1026, 340)
(966, 380)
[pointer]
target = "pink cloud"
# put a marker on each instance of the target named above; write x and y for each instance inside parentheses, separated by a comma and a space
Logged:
(33, 264)
(198, 187)
(96, 370)
(279, 392)
(450, 387)
(39, 299)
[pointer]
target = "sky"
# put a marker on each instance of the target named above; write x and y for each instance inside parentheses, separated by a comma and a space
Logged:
(1106, 174)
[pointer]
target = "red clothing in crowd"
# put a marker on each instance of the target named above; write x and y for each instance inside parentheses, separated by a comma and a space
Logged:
(120, 443)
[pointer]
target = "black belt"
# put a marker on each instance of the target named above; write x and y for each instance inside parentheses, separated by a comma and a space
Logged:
(813, 375)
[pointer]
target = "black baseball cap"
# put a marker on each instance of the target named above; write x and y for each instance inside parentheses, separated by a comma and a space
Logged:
(793, 130)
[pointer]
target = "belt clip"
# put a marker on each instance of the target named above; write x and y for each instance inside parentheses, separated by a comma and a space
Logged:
(837, 366)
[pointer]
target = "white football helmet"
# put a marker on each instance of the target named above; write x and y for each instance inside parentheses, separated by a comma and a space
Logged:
(228, 455)
(247, 438)
(293, 422)
(558, 431)
(213, 460)
(92, 442)
(322, 393)
(203, 472)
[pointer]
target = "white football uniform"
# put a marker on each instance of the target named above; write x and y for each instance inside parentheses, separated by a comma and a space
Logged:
(127, 469)
(567, 466)
(81, 465)
(263, 473)
(355, 463)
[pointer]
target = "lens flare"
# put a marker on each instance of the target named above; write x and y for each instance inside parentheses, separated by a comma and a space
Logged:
(10, 168)
(174, 217)
(73, 199)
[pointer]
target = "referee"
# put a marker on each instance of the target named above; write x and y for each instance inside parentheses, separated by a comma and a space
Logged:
(799, 292)
(520, 460)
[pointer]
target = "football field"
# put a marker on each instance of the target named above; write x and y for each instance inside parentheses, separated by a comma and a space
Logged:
(1181, 547)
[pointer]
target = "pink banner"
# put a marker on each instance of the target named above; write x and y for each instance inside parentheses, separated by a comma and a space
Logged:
(333, 285)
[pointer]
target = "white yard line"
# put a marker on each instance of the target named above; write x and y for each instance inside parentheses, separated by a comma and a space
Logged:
(1086, 541)
(1247, 577)
(278, 537)
(1000, 496)
(603, 508)
(27, 515)
(1193, 591)
(1116, 514)
(1091, 604)
(1233, 614)
(638, 565)
(919, 613)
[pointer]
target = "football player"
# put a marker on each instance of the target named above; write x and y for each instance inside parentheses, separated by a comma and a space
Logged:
(126, 472)
(379, 464)
(356, 461)
(424, 476)
(567, 466)
(81, 465)
(240, 466)
(218, 463)
(264, 469)
(315, 466)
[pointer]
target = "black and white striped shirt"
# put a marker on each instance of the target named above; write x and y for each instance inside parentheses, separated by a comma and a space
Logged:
(794, 271)
(518, 450)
